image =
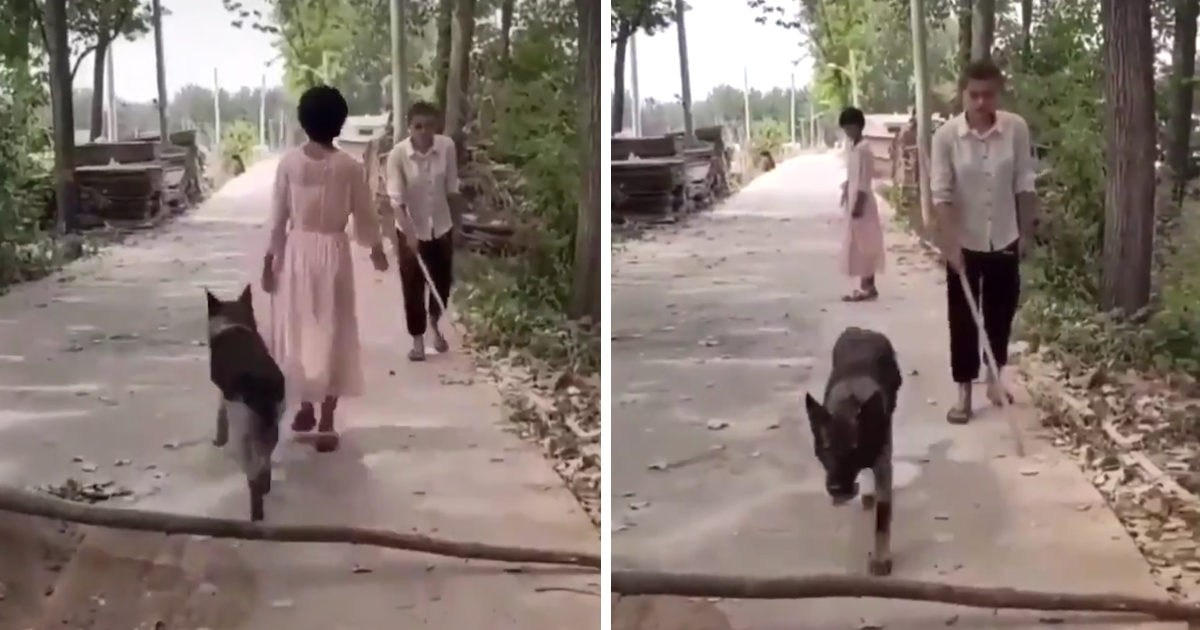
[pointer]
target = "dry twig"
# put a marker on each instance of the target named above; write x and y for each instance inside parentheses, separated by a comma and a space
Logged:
(820, 586)
(32, 504)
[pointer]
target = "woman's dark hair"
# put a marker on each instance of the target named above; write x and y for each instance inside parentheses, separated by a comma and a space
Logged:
(322, 112)
(421, 108)
(852, 116)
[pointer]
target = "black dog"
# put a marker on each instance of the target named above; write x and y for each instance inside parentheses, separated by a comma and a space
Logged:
(852, 429)
(252, 391)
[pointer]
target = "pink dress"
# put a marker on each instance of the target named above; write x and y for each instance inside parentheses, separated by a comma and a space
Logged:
(862, 244)
(314, 325)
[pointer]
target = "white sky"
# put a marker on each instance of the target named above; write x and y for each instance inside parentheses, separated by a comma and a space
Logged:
(723, 38)
(197, 37)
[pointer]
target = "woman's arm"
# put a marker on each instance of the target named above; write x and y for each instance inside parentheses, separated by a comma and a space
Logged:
(860, 189)
(281, 214)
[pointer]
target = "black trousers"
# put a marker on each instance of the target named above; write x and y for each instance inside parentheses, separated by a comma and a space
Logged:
(995, 281)
(420, 307)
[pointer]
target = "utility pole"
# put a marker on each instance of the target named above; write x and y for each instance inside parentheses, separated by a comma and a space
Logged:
(792, 117)
(746, 102)
(685, 77)
(924, 126)
(262, 112)
(216, 113)
(633, 85)
(854, 78)
(111, 97)
(399, 70)
(160, 65)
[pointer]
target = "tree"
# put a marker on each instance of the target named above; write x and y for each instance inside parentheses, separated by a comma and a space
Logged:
(459, 80)
(1130, 134)
(1182, 96)
(983, 29)
(55, 29)
(585, 287)
(628, 18)
(95, 25)
(441, 64)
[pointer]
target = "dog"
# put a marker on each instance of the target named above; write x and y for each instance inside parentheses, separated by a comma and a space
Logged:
(852, 429)
(252, 391)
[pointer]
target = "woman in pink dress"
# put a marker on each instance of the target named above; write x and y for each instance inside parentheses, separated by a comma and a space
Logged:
(862, 245)
(308, 268)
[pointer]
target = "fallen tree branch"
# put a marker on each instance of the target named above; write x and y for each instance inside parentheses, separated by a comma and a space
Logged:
(818, 586)
(33, 504)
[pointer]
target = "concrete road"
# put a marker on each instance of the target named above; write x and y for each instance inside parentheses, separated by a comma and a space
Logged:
(720, 327)
(103, 375)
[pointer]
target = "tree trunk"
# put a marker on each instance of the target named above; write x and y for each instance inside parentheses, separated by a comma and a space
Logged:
(1026, 30)
(460, 66)
(983, 29)
(585, 286)
(98, 93)
(55, 21)
(1130, 135)
(965, 10)
(506, 20)
(441, 60)
(1180, 140)
(618, 95)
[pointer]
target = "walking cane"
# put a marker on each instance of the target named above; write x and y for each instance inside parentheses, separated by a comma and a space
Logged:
(989, 359)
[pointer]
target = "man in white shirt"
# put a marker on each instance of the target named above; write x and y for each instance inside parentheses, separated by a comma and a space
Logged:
(422, 184)
(982, 178)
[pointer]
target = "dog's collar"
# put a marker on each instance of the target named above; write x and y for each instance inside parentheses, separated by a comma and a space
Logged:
(217, 327)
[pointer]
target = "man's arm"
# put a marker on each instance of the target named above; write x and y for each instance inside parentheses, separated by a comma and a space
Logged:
(946, 219)
(396, 185)
(453, 195)
(1024, 179)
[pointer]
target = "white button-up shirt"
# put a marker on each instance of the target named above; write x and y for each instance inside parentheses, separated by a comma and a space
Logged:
(980, 175)
(423, 182)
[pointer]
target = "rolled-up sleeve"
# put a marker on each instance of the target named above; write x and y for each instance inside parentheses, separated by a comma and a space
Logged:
(941, 167)
(1025, 173)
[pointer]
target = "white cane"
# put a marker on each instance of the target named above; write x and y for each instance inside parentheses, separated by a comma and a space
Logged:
(990, 360)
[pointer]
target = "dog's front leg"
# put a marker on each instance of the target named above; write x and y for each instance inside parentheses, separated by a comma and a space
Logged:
(881, 556)
(222, 437)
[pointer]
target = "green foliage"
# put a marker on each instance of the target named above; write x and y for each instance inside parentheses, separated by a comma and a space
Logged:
(521, 303)
(26, 250)
(343, 43)
(769, 136)
(647, 16)
(237, 146)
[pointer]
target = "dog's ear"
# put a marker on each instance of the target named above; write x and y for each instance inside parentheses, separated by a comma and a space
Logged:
(873, 407)
(246, 299)
(817, 414)
(214, 305)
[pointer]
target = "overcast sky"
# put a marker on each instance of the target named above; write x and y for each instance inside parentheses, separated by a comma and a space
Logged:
(197, 37)
(723, 38)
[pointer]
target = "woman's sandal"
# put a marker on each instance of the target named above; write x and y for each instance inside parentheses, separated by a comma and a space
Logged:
(859, 295)
(305, 420)
(327, 441)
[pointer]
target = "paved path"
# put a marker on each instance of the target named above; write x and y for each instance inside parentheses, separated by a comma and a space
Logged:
(720, 327)
(102, 369)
